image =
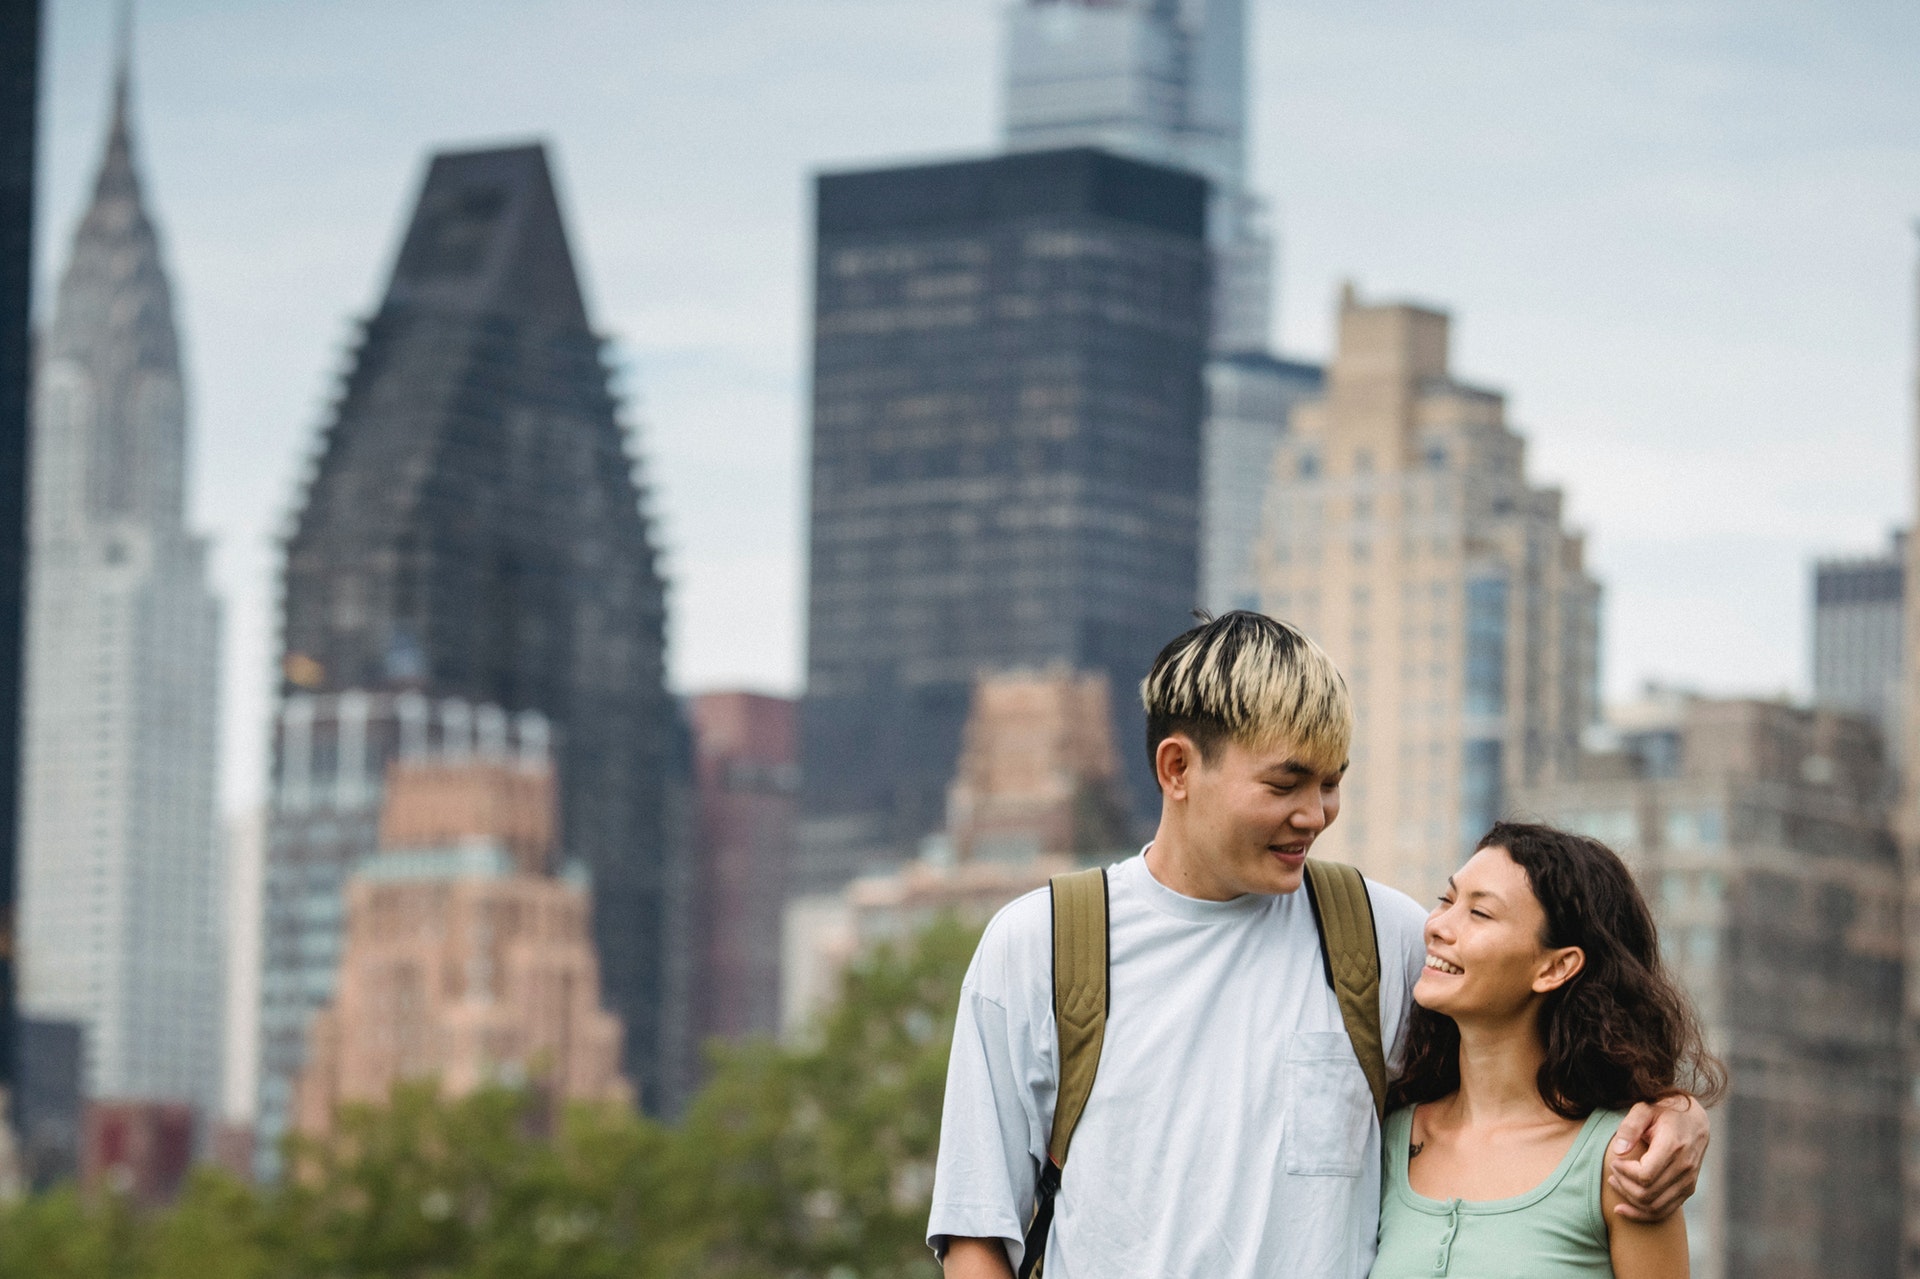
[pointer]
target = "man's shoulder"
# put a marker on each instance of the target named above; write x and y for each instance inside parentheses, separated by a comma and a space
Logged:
(1016, 950)
(1027, 916)
(1398, 919)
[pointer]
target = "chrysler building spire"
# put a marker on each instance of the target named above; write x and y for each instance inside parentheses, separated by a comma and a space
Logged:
(119, 883)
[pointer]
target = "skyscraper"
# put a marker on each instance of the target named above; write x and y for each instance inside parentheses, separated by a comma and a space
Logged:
(1250, 402)
(1006, 464)
(1403, 534)
(120, 886)
(1163, 81)
(1166, 81)
(473, 532)
(1858, 627)
(19, 99)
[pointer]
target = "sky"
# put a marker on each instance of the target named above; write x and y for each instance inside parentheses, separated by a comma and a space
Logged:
(1678, 234)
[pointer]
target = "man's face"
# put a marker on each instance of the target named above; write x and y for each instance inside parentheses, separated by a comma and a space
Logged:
(1253, 812)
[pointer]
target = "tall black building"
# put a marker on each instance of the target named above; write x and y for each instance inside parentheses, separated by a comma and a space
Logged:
(473, 532)
(19, 98)
(1007, 402)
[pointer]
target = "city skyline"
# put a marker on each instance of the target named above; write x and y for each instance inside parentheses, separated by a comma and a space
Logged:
(1697, 249)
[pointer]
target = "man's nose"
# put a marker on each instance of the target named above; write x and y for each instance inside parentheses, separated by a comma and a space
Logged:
(1311, 815)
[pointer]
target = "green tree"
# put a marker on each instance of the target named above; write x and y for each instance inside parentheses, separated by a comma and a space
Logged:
(818, 1161)
(476, 1188)
(60, 1235)
(213, 1232)
(814, 1162)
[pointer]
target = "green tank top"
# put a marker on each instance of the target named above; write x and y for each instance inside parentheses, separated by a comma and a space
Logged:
(1554, 1231)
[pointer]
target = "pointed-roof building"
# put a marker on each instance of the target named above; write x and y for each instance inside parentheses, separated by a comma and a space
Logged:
(473, 536)
(120, 900)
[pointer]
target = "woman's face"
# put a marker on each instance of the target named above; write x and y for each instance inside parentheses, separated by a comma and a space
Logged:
(1485, 956)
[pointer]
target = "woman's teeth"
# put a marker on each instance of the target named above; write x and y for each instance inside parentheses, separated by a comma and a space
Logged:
(1441, 965)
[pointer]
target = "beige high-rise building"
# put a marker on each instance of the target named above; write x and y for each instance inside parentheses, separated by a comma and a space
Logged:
(1402, 533)
(466, 959)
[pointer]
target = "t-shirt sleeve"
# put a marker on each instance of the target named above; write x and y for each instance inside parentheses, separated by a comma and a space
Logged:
(999, 1099)
(1400, 925)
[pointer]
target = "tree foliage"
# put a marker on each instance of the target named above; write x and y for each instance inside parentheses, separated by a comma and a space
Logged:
(812, 1160)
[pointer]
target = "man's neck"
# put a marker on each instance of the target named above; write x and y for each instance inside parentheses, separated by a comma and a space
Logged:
(1170, 860)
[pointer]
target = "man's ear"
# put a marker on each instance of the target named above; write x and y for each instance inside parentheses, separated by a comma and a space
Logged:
(1558, 968)
(1174, 760)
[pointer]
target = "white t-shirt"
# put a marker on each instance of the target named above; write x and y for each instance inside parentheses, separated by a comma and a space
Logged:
(1230, 1133)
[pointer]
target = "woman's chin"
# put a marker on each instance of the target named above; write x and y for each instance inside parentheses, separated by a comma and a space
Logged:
(1431, 992)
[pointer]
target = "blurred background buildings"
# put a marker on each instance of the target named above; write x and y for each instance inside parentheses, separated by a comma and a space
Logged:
(1403, 532)
(468, 956)
(1048, 418)
(119, 871)
(1859, 624)
(747, 782)
(472, 548)
(1006, 465)
(1163, 81)
(1759, 832)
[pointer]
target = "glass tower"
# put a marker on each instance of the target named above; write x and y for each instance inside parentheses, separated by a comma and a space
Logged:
(473, 534)
(1161, 80)
(1007, 398)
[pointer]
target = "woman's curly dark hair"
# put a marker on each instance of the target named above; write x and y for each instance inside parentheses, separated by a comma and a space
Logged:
(1621, 1031)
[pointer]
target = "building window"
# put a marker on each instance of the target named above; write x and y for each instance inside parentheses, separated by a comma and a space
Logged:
(1487, 646)
(1690, 828)
(1615, 827)
(1480, 789)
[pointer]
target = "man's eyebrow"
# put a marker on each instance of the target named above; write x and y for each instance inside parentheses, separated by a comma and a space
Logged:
(1300, 769)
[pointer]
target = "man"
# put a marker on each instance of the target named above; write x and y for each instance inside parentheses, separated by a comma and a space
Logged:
(1230, 1132)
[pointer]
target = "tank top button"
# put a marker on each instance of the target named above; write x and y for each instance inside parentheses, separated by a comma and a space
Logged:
(1444, 1258)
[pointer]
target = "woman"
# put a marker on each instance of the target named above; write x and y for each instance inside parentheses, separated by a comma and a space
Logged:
(1543, 1014)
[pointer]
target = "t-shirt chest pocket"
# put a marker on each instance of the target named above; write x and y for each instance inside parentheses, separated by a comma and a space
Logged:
(1328, 1106)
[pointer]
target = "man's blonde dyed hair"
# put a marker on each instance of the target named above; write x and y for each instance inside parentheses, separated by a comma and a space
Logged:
(1249, 678)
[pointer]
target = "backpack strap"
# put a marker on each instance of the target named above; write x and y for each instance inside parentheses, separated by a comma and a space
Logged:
(1343, 913)
(1080, 1021)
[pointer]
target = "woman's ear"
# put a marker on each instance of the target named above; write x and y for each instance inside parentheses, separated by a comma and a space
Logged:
(1558, 968)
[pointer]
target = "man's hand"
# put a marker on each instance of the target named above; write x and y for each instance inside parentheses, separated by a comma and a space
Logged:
(1654, 1185)
(976, 1259)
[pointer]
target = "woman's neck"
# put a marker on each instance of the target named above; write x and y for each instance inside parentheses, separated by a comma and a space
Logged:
(1500, 1071)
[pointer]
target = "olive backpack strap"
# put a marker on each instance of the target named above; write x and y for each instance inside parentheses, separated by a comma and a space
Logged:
(1080, 1020)
(1343, 913)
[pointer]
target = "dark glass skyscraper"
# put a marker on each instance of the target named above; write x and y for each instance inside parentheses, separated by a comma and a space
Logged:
(19, 97)
(473, 535)
(1007, 403)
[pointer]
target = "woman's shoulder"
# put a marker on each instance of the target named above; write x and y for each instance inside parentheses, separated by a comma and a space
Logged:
(1602, 1124)
(1396, 1134)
